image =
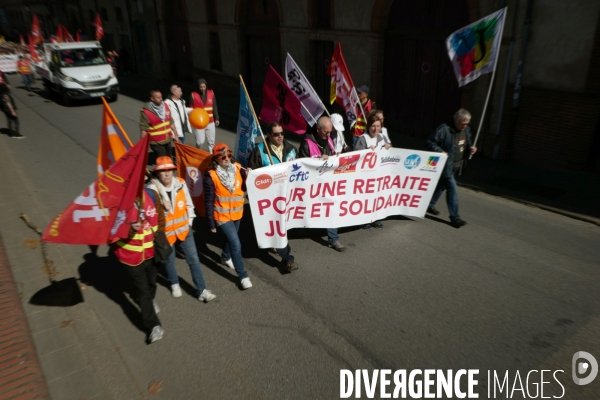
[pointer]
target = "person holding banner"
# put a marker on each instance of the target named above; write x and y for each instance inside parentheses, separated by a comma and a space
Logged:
(179, 216)
(321, 146)
(451, 139)
(136, 254)
(224, 184)
(156, 120)
(337, 135)
(281, 151)
(372, 139)
(384, 131)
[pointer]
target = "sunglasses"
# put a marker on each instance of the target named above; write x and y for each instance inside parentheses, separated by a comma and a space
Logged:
(226, 156)
(276, 134)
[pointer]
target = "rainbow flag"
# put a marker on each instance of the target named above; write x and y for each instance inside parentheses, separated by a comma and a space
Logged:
(474, 49)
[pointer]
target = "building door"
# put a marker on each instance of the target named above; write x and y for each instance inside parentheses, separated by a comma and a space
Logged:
(420, 90)
(181, 64)
(263, 45)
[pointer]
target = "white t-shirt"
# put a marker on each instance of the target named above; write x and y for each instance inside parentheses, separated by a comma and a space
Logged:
(373, 141)
(384, 133)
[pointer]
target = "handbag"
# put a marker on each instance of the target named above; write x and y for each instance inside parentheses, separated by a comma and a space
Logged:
(162, 247)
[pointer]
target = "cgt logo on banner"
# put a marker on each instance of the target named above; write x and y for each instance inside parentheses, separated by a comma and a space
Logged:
(361, 187)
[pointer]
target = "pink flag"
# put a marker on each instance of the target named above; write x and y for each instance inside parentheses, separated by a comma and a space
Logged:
(281, 104)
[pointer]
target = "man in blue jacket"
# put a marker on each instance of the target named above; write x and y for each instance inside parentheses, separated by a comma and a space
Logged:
(281, 151)
(453, 140)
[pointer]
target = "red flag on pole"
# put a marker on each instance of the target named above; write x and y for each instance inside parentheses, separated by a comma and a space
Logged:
(32, 52)
(36, 31)
(192, 164)
(114, 142)
(103, 212)
(281, 104)
(342, 88)
(63, 35)
(99, 28)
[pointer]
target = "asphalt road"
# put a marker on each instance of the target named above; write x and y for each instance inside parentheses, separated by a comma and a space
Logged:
(516, 289)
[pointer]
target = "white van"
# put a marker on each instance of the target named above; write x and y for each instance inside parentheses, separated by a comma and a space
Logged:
(77, 70)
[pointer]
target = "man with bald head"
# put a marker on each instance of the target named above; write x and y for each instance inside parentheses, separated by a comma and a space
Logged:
(320, 145)
(180, 112)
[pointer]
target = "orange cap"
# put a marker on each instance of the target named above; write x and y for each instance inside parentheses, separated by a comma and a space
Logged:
(164, 163)
(220, 148)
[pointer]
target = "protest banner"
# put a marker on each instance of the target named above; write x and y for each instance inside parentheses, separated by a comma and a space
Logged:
(352, 189)
(8, 63)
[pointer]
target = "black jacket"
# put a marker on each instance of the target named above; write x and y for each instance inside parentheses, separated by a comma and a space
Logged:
(443, 140)
(304, 151)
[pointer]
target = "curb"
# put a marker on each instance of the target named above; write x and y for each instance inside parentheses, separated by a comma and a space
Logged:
(568, 214)
(21, 373)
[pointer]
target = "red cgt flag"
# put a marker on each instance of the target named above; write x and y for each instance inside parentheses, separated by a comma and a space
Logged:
(114, 142)
(32, 52)
(99, 28)
(103, 212)
(342, 88)
(63, 35)
(192, 164)
(36, 31)
(281, 104)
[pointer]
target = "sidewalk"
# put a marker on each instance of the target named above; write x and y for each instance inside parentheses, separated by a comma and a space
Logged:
(575, 195)
(21, 374)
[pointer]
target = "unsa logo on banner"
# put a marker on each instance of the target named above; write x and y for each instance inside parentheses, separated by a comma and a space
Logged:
(412, 161)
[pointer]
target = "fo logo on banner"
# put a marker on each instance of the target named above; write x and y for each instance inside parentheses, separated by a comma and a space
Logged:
(263, 181)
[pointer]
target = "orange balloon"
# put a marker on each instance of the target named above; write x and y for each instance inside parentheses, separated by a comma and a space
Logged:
(199, 118)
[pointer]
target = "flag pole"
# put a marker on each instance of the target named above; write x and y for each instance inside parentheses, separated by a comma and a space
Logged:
(256, 120)
(487, 99)
(309, 113)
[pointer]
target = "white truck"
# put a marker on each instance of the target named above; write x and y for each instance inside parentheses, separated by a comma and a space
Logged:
(77, 70)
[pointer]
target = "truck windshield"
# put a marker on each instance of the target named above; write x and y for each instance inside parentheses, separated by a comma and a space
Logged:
(81, 57)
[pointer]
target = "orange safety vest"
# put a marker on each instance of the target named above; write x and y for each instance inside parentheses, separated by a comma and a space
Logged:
(361, 122)
(228, 206)
(140, 247)
(208, 107)
(177, 222)
(159, 130)
(23, 67)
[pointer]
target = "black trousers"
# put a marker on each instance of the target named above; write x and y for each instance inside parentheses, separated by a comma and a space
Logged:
(286, 254)
(143, 277)
(13, 122)
(160, 150)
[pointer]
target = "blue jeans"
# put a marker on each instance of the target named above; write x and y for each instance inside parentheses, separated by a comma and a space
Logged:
(27, 80)
(286, 254)
(332, 235)
(188, 247)
(448, 184)
(354, 140)
(233, 247)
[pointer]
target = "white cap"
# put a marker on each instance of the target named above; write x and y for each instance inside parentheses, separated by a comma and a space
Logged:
(338, 122)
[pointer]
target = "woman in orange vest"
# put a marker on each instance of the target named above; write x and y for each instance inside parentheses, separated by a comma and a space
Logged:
(179, 216)
(24, 69)
(224, 184)
(136, 253)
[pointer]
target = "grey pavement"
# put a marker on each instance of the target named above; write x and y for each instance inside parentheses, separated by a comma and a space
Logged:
(516, 289)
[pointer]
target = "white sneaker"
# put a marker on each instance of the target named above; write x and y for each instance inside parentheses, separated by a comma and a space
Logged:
(229, 263)
(157, 334)
(156, 307)
(176, 290)
(206, 296)
(246, 284)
